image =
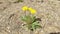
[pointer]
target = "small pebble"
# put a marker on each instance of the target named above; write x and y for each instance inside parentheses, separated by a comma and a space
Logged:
(0, 2)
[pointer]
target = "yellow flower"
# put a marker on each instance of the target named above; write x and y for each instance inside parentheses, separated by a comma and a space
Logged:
(33, 11)
(24, 8)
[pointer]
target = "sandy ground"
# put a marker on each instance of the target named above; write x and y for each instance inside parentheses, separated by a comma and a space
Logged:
(47, 10)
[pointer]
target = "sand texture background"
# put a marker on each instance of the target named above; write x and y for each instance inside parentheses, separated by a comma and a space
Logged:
(47, 10)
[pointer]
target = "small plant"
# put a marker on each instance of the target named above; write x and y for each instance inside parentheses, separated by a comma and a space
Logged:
(31, 20)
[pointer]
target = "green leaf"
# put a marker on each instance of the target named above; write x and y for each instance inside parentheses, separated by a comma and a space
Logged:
(27, 19)
(23, 18)
(35, 25)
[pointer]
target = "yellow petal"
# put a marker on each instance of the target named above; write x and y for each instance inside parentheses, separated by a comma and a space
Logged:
(24, 8)
(33, 11)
